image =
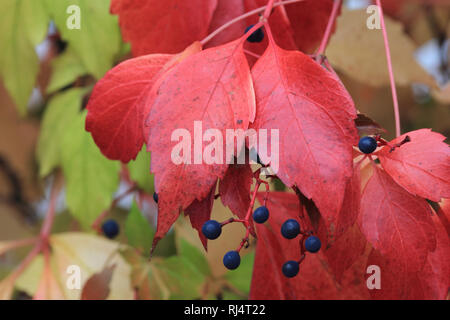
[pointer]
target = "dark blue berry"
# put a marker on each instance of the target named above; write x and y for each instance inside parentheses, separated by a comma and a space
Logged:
(155, 197)
(290, 269)
(290, 229)
(367, 145)
(231, 260)
(211, 229)
(256, 36)
(110, 228)
(312, 244)
(261, 214)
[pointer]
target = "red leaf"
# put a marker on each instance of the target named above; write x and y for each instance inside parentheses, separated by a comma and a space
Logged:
(301, 99)
(431, 282)
(350, 207)
(199, 212)
(234, 188)
(215, 87)
(396, 223)
(345, 251)
(227, 10)
(421, 166)
(367, 126)
(154, 26)
(314, 281)
(115, 108)
(309, 20)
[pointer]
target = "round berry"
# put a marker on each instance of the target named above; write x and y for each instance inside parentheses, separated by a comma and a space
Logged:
(367, 145)
(290, 229)
(290, 269)
(312, 244)
(256, 36)
(110, 228)
(211, 229)
(231, 260)
(155, 197)
(261, 214)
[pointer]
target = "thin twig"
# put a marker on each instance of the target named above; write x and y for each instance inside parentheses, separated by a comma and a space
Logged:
(391, 73)
(327, 34)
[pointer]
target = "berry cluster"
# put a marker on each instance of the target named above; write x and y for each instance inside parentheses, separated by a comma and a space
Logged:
(212, 229)
(290, 230)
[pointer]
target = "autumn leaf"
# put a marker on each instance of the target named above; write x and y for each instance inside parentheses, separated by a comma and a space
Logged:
(225, 11)
(234, 188)
(421, 166)
(430, 283)
(309, 20)
(343, 253)
(97, 286)
(213, 86)
(366, 126)
(301, 99)
(396, 223)
(154, 26)
(116, 107)
(199, 211)
(90, 253)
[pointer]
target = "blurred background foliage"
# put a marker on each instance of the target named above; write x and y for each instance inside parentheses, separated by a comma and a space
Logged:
(46, 75)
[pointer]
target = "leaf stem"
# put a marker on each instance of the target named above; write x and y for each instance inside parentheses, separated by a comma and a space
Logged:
(391, 73)
(327, 34)
(242, 17)
(268, 9)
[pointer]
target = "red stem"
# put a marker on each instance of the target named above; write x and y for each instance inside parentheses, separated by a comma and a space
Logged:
(327, 34)
(391, 73)
(268, 9)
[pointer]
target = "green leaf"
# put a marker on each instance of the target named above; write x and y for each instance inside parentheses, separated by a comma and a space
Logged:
(59, 114)
(242, 276)
(23, 25)
(97, 42)
(182, 278)
(66, 68)
(138, 230)
(91, 179)
(140, 171)
(194, 256)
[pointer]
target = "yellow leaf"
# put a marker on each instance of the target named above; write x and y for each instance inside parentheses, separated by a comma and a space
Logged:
(91, 253)
(359, 52)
